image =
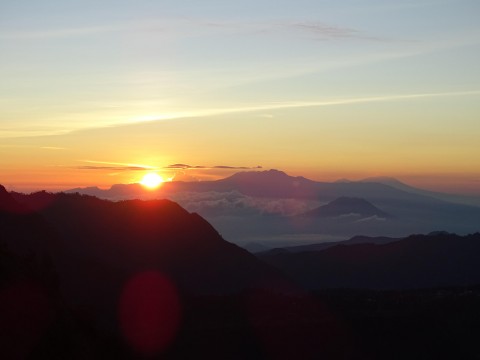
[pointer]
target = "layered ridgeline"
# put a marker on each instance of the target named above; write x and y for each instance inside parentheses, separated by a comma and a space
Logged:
(84, 278)
(271, 184)
(237, 206)
(278, 184)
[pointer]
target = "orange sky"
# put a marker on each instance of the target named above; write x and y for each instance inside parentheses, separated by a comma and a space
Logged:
(430, 158)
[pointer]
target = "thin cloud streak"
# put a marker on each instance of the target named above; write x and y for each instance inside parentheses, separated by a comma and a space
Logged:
(114, 168)
(56, 33)
(52, 148)
(227, 167)
(324, 31)
(306, 104)
(317, 28)
(187, 26)
(108, 165)
(234, 110)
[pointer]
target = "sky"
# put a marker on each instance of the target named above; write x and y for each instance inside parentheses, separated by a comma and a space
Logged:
(95, 93)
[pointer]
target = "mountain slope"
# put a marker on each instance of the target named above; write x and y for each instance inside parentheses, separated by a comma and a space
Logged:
(378, 240)
(395, 183)
(133, 235)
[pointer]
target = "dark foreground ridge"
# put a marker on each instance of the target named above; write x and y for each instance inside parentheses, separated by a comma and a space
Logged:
(83, 278)
(134, 235)
(418, 261)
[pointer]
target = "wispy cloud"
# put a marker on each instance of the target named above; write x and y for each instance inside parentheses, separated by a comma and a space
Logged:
(56, 33)
(324, 31)
(113, 166)
(52, 148)
(116, 166)
(306, 104)
(186, 167)
(266, 107)
(247, 108)
(320, 30)
(370, 219)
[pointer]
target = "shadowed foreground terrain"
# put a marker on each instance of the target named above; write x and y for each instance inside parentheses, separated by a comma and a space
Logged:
(418, 261)
(83, 278)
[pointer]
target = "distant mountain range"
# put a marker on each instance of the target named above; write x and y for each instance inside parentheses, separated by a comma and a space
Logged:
(268, 184)
(237, 206)
(277, 184)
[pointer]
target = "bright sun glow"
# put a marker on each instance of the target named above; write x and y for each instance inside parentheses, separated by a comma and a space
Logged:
(151, 180)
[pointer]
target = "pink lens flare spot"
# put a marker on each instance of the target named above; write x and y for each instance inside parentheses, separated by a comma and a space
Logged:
(149, 312)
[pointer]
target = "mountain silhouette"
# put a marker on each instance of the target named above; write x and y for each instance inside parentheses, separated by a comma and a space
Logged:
(234, 204)
(271, 183)
(7, 204)
(133, 235)
(347, 206)
(23, 230)
(276, 184)
(268, 183)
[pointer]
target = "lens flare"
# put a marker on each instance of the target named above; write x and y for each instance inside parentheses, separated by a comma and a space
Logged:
(149, 312)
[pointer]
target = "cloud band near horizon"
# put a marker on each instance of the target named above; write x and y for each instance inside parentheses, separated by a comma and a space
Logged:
(116, 166)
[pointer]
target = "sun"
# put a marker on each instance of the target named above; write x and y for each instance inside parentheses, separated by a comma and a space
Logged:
(151, 180)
